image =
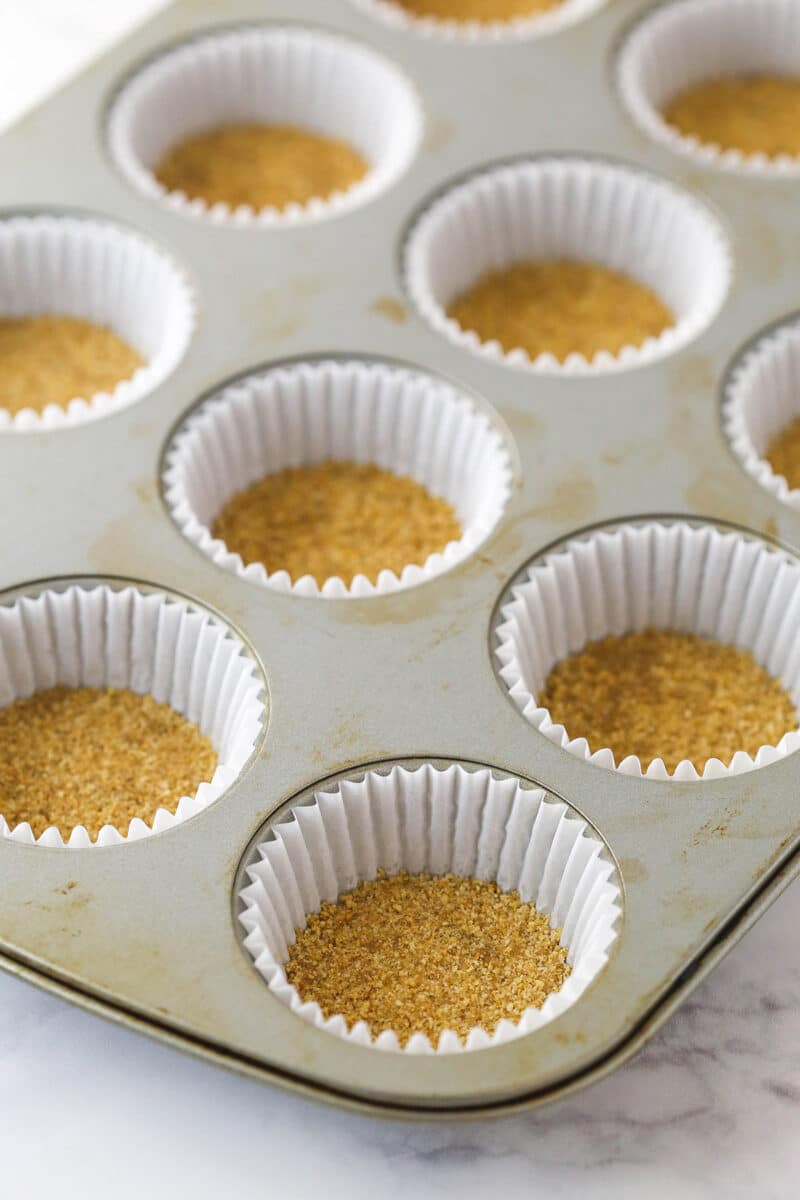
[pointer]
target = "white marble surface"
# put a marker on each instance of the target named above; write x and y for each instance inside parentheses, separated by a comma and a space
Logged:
(711, 1107)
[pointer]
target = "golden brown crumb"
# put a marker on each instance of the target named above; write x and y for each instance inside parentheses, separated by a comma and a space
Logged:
(783, 454)
(93, 756)
(260, 165)
(422, 953)
(560, 307)
(54, 359)
(659, 694)
(336, 518)
(752, 113)
(483, 11)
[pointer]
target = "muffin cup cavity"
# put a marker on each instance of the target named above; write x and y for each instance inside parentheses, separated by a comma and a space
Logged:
(300, 414)
(91, 269)
(761, 398)
(686, 42)
(570, 208)
(672, 575)
(478, 33)
(267, 75)
(438, 820)
(151, 643)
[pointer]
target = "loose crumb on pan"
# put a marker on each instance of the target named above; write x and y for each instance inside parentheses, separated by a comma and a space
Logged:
(55, 359)
(482, 11)
(422, 953)
(783, 454)
(757, 114)
(674, 696)
(561, 307)
(265, 166)
(93, 757)
(336, 518)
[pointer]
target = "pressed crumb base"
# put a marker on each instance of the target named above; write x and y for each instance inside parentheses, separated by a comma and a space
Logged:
(336, 519)
(483, 11)
(757, 114)
(422, 954)
(55, 359)
(674, 696)
(561, 307)
(783, 454)
(94, 757)
(264, 166)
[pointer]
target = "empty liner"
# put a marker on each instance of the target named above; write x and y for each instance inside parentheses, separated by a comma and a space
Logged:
(272, 75)
(96, 271)
(572, 208)
(150, 643)
(568, 13)
(684, 43)
(762, 398)
(368, 412)
(436, 820)
(691, 578)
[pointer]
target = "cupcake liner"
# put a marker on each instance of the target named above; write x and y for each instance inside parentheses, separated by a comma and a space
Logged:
(274, 75)
(303, 413)
(573, 208)
(691, 578)
(683, 43)
(761, 398)
(148, 642)
(90, 269)
(542, 24)
(436, 820)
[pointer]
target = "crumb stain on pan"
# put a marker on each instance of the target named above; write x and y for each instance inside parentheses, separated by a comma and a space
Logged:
(633, 870)
(438, 134)
(682, 904)
(573, 498)
(771, 528)
(284, 310)
(712, 494)
(692, 373)
(525, 424)
(571, 1039)
(389, 307)
(764, 254)
(146, 489)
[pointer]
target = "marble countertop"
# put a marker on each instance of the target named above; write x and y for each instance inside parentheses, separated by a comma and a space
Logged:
(710, 1108)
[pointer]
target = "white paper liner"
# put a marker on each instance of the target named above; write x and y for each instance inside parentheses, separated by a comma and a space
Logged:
(150, 643)
(542, 24)
(368, 412)
(96, 271)
(573, 208)
(273, 75)
(695, 578)
(681, 44)
(762, 398)
(440, 821)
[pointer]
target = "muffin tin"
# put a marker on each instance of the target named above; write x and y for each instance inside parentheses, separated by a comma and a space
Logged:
(148, 932)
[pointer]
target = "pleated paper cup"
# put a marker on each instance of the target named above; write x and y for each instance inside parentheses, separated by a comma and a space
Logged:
(94, 270)
(690, 578)
(303, 413)
(762, 398)
(536, 25)
(684, 43)
(153, 644)
(587, 210)
(439, 820)
(274, 75)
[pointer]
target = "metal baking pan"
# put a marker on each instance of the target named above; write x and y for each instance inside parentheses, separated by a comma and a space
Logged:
(146, 932)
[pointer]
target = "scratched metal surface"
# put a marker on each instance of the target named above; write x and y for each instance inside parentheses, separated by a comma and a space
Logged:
(146, 934)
